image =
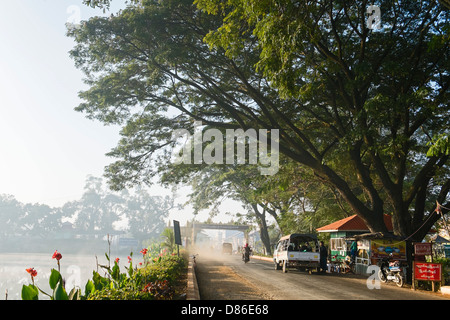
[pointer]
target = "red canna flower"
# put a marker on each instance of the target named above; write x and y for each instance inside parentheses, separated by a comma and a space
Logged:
(129, 259)
(57, 255)
(144, 251)
(32, 272)
(117, 260)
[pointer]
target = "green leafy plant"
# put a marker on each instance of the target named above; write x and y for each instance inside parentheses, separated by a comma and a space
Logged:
(56, 282)
(154, 280)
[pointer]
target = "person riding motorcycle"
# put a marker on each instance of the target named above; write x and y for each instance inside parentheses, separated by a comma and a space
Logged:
(246, 253)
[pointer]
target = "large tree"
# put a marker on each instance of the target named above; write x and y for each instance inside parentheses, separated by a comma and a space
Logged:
(381, 94)
(340, 92)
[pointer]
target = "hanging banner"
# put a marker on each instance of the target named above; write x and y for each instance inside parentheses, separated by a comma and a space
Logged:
(383, 248)
(427, 271)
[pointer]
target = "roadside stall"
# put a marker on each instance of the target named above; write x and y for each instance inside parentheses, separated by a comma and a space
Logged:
(343, 234)
(373, 247)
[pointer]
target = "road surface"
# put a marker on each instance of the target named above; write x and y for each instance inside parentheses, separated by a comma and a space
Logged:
(224, 277)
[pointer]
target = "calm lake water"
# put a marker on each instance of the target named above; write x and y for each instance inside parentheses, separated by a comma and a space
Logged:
(76, 269)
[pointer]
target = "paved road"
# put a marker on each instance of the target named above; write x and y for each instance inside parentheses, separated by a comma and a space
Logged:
(227, 277)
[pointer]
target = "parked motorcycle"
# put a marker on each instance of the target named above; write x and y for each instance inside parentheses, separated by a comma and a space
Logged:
(391, 271)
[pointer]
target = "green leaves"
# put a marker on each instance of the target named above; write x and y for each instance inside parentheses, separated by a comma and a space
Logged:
(56, 282)
(115, 272)
(30, 292)
(440, 145)
(89, 288)
(55, 278)
(60, 293)
(130, 269)
(133, 285)
(99, 282)
(75, 294)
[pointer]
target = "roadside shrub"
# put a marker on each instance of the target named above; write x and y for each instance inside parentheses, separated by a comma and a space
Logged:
(445, 268)
(165, 267)
(157, 279)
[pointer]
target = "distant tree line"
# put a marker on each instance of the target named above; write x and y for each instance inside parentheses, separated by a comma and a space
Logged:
(99, 211)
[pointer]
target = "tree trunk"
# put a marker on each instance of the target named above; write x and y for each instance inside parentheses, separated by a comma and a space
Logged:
(264, 233)
(372, 217)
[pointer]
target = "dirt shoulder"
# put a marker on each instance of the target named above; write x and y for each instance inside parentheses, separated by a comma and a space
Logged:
(219, 282)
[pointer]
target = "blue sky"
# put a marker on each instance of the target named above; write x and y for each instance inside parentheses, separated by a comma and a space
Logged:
(47, 148)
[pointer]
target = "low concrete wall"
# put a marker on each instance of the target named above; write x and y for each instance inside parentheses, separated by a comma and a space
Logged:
(192, 286)
(445, 290)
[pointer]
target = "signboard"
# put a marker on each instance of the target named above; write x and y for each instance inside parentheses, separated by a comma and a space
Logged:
(177, 232)
(382, 248)
(427, 271)
(422, 249)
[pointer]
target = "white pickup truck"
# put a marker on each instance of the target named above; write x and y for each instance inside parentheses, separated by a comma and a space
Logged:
(297, 251)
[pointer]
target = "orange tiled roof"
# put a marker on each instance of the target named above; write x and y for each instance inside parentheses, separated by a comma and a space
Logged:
(353, 223)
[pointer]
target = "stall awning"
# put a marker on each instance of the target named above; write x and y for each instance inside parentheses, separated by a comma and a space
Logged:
(353, 223)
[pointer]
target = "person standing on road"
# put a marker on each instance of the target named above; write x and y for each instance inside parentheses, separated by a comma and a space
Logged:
(323, 256)
(353, 250)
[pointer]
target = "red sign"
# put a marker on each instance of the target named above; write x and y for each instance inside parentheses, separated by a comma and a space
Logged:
(427, 271)
(422, 249)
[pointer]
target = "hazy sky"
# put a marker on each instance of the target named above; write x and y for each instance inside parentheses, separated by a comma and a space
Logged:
(46, 148)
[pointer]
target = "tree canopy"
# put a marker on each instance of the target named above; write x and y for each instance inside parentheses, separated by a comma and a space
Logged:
(357, 106)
